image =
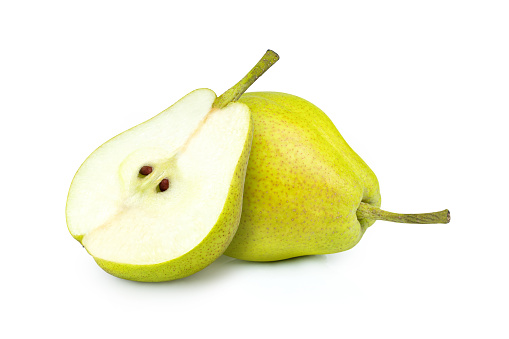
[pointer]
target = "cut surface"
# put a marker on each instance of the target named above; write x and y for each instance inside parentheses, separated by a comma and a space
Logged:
(124, 216)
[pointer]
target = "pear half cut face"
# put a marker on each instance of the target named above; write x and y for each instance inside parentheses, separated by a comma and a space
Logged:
(163, 199)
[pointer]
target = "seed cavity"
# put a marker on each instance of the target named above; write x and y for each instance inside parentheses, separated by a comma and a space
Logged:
(164, 185)
(145, 170)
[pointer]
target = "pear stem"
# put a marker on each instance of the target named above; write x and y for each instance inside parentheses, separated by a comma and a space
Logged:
(234, 93)
(367, 211)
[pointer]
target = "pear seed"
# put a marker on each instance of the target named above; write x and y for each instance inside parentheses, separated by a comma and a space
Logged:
(145, 170)
(164, 184)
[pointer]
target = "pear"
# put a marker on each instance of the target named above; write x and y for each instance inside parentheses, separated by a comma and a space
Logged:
(306, 191)
(163, 199)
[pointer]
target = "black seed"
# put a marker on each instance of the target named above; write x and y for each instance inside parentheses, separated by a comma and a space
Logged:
(164, 184)
(146, 170)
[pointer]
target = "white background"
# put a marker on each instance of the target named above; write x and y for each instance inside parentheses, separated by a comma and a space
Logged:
(420, 89)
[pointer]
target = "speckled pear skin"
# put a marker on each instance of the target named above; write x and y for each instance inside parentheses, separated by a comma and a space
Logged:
(209, 249)
(303, 184)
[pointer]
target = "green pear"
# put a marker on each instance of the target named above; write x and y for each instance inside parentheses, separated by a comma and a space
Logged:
(163, 199)
(306, 191)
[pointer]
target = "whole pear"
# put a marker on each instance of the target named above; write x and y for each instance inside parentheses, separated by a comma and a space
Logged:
(306, 191)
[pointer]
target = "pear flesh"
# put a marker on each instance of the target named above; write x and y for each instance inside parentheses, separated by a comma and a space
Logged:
(138, 227)
(303, 184)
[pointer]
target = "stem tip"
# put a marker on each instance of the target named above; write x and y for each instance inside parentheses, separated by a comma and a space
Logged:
(233, 94)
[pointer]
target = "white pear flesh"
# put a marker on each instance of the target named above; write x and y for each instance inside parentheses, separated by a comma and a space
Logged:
(122, 217)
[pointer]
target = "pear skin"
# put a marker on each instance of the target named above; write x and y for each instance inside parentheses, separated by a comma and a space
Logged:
(303, 185)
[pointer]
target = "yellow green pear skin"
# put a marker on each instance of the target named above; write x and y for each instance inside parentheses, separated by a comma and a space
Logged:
(303, 184)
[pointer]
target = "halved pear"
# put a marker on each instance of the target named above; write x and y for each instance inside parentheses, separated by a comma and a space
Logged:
(163, 200)
(139, 229)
